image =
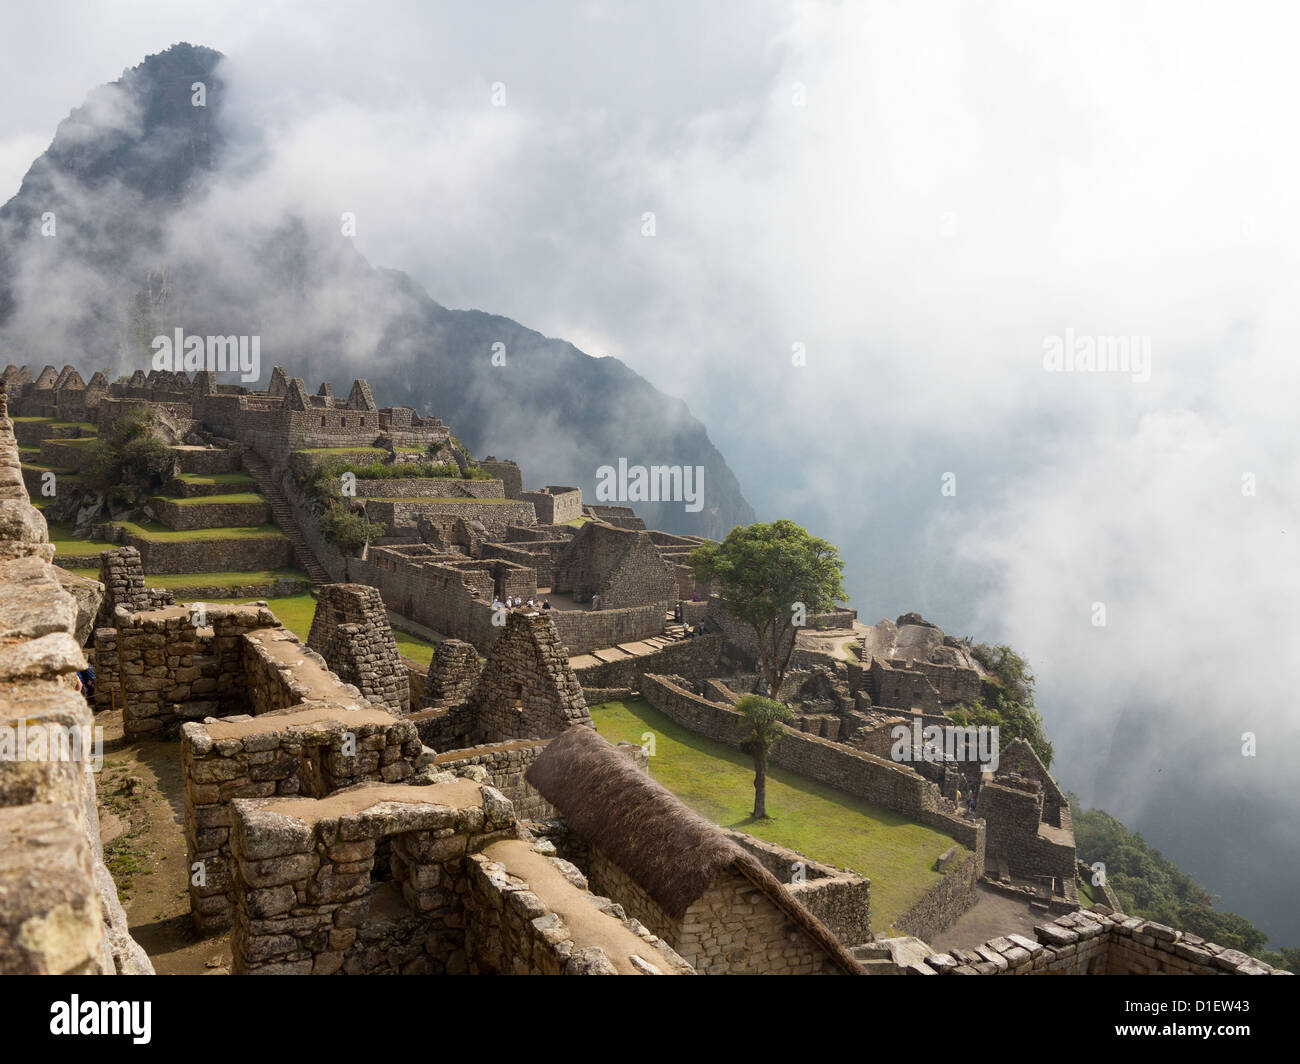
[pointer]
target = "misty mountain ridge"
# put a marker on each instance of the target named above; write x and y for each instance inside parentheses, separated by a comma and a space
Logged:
(148, 213)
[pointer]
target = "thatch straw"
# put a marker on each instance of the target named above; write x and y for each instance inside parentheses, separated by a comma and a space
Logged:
(671, 852)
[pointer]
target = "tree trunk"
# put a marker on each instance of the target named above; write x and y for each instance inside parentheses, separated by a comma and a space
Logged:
(760, 784)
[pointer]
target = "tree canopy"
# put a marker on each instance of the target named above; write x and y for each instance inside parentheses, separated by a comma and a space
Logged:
(770, 576)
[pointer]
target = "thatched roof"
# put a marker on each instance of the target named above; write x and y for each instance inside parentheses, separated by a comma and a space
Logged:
(671, 852)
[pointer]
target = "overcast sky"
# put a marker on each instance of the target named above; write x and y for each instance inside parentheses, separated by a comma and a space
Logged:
(923, 196)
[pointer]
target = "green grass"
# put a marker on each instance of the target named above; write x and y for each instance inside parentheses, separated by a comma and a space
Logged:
(577, 522)
(342, 450)
(205, 500)
(223, 579)
(208, 480)
(79, 441)
(61, 537)
(54, 423)
(1088, 894)
(58, 471)
(814, 819)
(296, 612)
(162, 534)
(413, 647)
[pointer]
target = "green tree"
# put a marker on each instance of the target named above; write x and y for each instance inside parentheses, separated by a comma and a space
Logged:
(1007, 701)
(131, 461)
(768, 575)
(762, 723)
(347, 529)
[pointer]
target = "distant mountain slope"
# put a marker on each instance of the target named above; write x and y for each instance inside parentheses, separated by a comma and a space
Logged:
(136, 221)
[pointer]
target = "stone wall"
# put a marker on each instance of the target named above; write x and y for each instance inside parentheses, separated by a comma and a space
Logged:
(453, 673)
(307, 751)
(122, 574)
(175, 665)
(526, 689)
(555, 505)
(622, 566)
(517, 921)
(585, 630)
(350, 630)
(185, 517)
(1096, 941)
(429, 488)
(1012, 807)
(840, 899)
(507, 472)
(59, 909)
(945, 902)
(270, 551)
(691, 658)
(404, 516)
(504, 765)
(313, 895)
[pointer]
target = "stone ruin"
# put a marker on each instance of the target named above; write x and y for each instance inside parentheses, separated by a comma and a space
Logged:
(59, 909)
(350, 631)
(342, 826)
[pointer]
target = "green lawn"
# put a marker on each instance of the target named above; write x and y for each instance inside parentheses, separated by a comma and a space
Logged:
(206, 500)
(814, 819)
(1088, 894)
(162, 534)
(79, 441)
(296, 612)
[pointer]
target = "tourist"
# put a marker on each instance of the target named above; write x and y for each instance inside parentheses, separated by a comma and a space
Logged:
(677, 613)
(695, 594)
(496, 603)
(546, 604)
(595, 601)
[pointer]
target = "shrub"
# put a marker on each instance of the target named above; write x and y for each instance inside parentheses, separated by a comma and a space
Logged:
(347, 529)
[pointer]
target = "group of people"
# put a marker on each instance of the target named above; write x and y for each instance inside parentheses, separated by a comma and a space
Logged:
(516, 603)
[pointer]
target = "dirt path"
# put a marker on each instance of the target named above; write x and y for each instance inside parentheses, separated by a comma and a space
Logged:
(141, 819)
(993, 915)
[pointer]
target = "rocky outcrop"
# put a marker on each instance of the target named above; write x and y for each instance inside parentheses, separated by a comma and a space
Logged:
(59, 909)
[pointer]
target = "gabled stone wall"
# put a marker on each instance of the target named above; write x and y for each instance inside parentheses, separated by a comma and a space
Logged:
(350, 630)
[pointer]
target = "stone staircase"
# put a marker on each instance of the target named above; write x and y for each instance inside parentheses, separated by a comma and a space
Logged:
(282, 513)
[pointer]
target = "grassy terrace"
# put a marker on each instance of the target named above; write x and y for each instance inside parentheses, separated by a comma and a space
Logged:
(61, 537)
(205, 500)
(441, 500)
(55, 423)
(79, 441)
(224, 578)
(209, 480)
(342, 450)
(812, 818)
(162, 534)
